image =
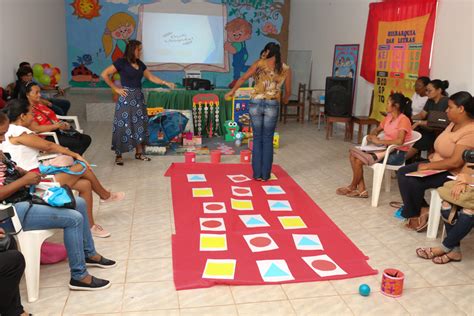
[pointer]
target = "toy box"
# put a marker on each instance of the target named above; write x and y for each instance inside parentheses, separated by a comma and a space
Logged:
(196, 141)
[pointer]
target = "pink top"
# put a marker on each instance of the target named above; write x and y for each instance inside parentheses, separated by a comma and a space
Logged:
(391, 128)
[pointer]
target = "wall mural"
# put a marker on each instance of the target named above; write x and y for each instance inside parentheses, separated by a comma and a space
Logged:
(98, 31)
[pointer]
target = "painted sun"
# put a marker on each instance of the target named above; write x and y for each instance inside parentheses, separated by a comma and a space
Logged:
(86, 9)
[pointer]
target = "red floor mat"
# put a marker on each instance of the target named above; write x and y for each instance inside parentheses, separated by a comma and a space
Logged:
(246, 232)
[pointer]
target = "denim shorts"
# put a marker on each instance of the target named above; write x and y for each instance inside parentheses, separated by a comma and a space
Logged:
(396, 157)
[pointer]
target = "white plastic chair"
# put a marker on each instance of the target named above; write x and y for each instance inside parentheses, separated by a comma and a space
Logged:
(46, 156)
(379, 168)
(72, 118)
(30, 245)
(434, 216)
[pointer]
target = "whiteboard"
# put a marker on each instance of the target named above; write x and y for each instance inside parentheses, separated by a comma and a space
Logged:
(300, 62)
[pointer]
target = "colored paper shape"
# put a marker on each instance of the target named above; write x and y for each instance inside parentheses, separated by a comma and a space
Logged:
(291, 222)
(241, 191)
(237, 178)
(214, 207)
(323, 265)
(196, 178)
(241, 205)
(219, 269)
(307, 242)
(212, 242)
(273, 176)
(279, 205)
(260, 242)
(274, 270)
(202, 192)
(251, 221)
(273, 189)
(212, 224)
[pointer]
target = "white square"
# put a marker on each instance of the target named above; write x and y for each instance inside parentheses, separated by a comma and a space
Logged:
(237, 178)
(323, 265)
(212, 224)
(251, 221)
(214, 207)
(274, 270)
(260, 242)
(273, 189)
(241, 191)
(279, 205)
(196, 178)
(307, 242)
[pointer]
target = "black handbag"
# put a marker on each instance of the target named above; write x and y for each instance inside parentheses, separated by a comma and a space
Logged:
(437, 119)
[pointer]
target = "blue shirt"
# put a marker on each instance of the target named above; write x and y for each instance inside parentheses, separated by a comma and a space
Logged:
(129, 76)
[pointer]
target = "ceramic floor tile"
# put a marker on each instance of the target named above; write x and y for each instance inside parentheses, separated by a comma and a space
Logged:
(374, 304)
(427, 301)
(149, 296)
(150, 249)
(112, 249)
(213, 296)
(460, 295)
(149, 270)
(257, 293)
(327, 305)
(51, 301)
(440, 275)
(156, 312)
(308, 289)
(275, 308)
(351, 286)
(228, 310)
(106, 301)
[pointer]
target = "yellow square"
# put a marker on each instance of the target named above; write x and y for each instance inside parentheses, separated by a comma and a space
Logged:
(219, 269)
(291, 222)
(212, 242)
(202, 192)
(273, 176)
(242, 205)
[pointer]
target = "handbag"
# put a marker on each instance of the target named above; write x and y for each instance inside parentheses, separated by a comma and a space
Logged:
(71, 132)
(51, 169)
(60, 161)
(165, 126)
(56, 196)
(465, 199)
(437, 119)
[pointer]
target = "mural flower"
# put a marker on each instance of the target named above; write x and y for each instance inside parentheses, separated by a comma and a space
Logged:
(86, 9)
(269, 28)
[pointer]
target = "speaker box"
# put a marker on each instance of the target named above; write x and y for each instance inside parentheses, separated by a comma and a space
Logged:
(338, 97)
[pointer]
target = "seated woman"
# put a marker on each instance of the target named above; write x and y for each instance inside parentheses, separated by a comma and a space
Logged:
(449, 146)
(437, 101)
(458, 222)
(77, 235)
(397, 130)
(419, 98)
(24, 147)
(45, 120)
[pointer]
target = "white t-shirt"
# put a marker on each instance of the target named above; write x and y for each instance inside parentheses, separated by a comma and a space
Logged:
(418, 103)
(24, 156)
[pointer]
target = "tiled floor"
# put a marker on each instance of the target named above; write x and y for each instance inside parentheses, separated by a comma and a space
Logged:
(141, 227)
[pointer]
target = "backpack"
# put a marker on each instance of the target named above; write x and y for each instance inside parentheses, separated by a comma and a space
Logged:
(165, 126)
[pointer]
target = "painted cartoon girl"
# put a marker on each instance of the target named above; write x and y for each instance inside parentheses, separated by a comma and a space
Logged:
(120, 27)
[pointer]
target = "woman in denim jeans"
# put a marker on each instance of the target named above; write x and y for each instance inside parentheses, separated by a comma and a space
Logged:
(397, 130)
(269, 74)
(77, 235)
(456, 228)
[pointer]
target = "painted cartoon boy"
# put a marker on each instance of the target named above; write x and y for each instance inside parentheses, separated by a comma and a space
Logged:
(238, 31)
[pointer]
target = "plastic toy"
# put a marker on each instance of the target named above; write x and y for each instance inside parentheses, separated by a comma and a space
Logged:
(239, 137)
(231, 128)
(364, 290)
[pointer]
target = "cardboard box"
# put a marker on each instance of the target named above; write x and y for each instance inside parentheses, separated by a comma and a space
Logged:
(196, 141)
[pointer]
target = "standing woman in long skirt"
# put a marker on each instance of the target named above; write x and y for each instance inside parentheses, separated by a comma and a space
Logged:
(130, 122)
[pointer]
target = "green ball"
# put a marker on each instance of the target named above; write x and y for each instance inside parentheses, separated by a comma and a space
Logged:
(37, 70)
(45, 80)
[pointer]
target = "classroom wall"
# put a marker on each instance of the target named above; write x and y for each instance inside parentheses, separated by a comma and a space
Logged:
(34, 31)
(318, 25)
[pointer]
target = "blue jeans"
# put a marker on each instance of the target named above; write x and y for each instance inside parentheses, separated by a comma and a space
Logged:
(263, 116)
(77, 234)
(60, 106)
(396, 158)
(461, 226)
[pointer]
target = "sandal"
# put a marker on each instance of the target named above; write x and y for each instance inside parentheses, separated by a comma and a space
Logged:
(423, 225)
(396, 204)
(425, 253)
(343, 191)
(142, 157)
(443, 259)
(119, 160)
(356, 194)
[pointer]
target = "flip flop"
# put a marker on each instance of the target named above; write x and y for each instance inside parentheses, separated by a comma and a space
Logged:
(343, 191)
(425, 253)
(356, 194)
(396, 204)
(422, 227)
(443, 259)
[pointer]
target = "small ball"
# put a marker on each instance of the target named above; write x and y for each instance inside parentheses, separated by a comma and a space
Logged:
(364, 290)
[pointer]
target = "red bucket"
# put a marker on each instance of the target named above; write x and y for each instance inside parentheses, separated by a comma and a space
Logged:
(216, 156)
(392, 282)
(245, 156)
(189, 157)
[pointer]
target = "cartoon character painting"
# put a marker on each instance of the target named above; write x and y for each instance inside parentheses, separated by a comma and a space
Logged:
(119, 27)
(238, 31)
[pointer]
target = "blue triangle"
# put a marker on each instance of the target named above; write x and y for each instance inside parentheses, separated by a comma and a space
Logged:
(254, 221)
(275, 271)
(305, 241)
(197, 178)
(273, 189)
(280, 205)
